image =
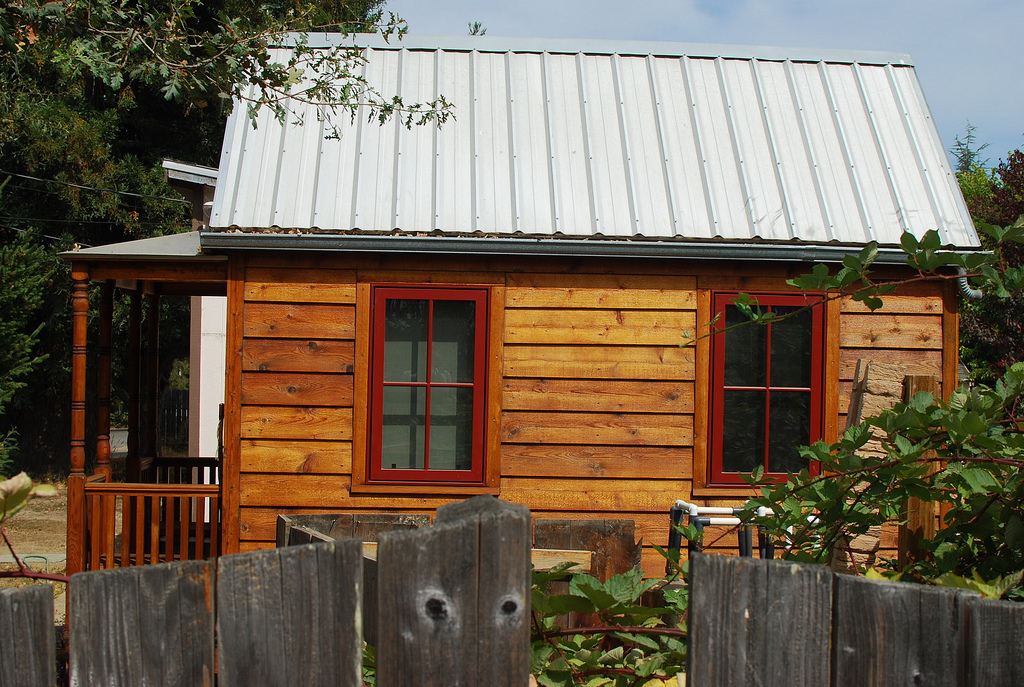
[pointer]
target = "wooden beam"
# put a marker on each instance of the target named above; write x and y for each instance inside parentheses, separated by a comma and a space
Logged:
(229, 471)
(133, 466)
(920, 516)
(76, 480)
(152, 374)
(106, 315)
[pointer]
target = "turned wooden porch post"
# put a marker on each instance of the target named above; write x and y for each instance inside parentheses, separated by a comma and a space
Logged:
(76, 480)
(149, 446)
(132, 467)
(106, 311)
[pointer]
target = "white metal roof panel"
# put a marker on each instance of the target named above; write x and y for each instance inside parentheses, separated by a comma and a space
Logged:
(656, 141)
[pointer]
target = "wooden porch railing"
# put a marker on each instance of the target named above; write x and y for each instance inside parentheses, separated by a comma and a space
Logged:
(180, 470)
(136, 524)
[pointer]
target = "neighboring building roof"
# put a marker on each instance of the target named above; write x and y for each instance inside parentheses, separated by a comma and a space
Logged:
(609, 140)
(188, 173)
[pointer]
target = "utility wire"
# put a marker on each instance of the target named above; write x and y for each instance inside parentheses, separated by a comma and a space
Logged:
(55, 220)
(93, 188)
(45, 236)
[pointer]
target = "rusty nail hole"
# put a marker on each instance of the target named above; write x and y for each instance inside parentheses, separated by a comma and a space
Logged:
(437, 609)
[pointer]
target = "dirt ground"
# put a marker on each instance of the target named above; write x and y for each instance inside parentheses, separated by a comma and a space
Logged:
(41, 526)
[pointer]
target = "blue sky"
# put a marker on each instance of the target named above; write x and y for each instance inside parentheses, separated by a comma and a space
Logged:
(967, 52)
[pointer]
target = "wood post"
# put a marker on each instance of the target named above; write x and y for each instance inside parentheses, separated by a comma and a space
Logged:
(149, 446)
(132, 462)
(106, 313)
(76, 480)
(456, 598)
(919, 516)
(291, 616)
(26, 637)
(150, 625)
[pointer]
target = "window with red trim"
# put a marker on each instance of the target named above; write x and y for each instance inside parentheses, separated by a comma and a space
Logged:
(427, 393)
(766, 386)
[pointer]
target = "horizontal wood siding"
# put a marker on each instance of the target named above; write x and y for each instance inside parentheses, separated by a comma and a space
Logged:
(907, 331)
(598, 394)
(597, 411)
(298, 351)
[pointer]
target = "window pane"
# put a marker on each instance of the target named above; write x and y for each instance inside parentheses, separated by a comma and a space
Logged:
(743, 431)
(405, 340)
(744, 350)
(791, 349)
(454, 334)
(790, 427)
(404, 427)
(451, 428)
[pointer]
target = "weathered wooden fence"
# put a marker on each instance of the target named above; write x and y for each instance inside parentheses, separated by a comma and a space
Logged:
(766, 623)
(453, 610)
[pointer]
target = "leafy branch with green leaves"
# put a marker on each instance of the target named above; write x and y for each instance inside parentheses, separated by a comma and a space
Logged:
(966, 454)
(196, 51)
(627, 642)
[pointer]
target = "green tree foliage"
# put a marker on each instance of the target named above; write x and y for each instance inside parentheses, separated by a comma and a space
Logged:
(629, 644)
(992, 329)
(25, 276)
(966, 454)
(92, 96)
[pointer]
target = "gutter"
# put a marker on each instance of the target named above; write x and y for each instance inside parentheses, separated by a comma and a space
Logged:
(427, 245)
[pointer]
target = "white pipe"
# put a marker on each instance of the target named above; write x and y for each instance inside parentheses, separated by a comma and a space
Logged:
(694, 510)
(723, 521)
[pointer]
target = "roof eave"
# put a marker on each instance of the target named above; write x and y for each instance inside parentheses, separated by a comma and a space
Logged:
(523, 246)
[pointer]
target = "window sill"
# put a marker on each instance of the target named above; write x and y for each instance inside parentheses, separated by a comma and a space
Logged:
(424, 488)
(725, 491)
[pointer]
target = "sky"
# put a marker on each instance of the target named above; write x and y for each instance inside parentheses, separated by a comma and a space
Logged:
(967, 53)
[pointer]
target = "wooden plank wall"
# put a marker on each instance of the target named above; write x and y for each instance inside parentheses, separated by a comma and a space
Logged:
(598, 387)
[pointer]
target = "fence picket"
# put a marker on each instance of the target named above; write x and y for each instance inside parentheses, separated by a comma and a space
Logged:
(27, 654)
(291, 616)
(451, 594)
(996, 649)
(453, 609)
(758, 622)
(888, 633)
(150, 625)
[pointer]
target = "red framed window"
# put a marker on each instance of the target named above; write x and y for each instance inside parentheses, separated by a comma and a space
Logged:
(427, 393)
(766, 386)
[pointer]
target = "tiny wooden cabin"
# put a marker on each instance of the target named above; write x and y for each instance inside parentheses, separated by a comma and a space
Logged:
(519, 301)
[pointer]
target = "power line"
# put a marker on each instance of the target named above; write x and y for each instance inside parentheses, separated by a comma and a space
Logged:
(45, 236)
(94, 188)
(55, 220)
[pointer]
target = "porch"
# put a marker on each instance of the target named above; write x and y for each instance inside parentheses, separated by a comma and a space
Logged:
(167, 508)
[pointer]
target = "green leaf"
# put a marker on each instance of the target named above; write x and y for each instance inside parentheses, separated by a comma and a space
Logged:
(14, 493)
(979, 480)
(908, 242)
(570, 603)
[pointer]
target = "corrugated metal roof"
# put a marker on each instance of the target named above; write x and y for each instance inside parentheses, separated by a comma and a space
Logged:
(658, 141)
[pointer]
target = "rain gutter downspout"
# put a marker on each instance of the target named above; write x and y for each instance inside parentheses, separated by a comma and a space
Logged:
(965, 288)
